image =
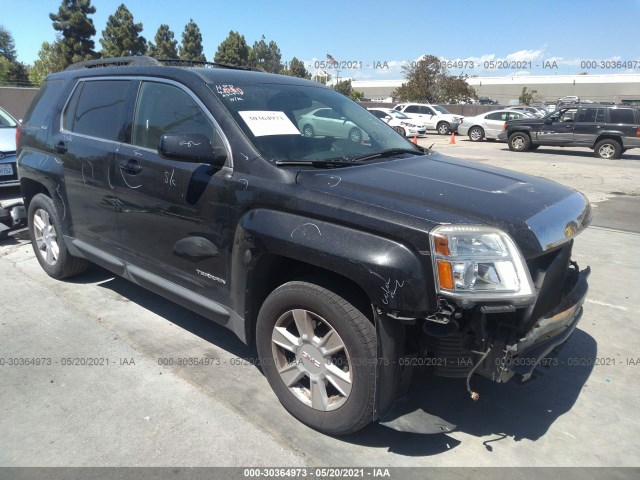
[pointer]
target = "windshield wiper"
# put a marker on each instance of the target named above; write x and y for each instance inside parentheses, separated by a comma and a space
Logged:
(317, 163)
(386, 153)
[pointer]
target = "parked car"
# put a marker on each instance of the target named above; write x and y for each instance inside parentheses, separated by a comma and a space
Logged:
(607, 129)
(327, 122)
(8, 172)
(532, 111)
(434, 117)
(488, 125)
(487, 101)
(401, 123)
(345, 263)
(568, 100)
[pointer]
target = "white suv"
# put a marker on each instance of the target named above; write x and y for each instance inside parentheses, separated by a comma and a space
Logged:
(434, 117)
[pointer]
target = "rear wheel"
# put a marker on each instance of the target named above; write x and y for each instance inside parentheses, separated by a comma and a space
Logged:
(318, 353)
(443, 128)
(476, 134)
(519, 142)
(608, 149)
(355, 135)
(46, 237)
(307, 131)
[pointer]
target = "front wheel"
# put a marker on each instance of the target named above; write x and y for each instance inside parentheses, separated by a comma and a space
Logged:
(400, 130)
(476, 134)
(318, 353)
(443, 128)
(46, 237)
(307, 131)
(519, 142)
(608, 149)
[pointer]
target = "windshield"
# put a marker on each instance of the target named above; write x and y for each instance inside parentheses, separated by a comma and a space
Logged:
(306, 123)
(395, 113)
(6, 120)
(441, 109)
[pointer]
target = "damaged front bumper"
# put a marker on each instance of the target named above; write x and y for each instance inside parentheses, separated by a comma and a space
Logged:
(544, 340)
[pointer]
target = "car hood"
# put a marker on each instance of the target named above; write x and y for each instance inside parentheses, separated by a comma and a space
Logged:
(7, 139)
(539, 214)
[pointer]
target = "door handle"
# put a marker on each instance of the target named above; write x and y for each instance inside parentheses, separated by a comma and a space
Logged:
(130, 166)
(61, 147)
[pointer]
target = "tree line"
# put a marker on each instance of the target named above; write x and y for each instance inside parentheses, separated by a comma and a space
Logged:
(122, 37)
(426, 79)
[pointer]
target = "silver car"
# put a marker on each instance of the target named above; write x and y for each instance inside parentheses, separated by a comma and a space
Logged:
(8, 172)
(489, 124)
(327, 122)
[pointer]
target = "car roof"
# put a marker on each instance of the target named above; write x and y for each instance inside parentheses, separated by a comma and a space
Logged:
(146, 66)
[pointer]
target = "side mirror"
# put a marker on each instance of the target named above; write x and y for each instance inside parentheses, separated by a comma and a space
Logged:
(191, 147)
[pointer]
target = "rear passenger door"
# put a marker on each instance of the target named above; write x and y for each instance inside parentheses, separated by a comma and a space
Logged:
(493, 123)
(588, 123)
(173, 214)
(91, 130)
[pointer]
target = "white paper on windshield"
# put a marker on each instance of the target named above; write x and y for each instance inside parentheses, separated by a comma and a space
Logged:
(262, 123)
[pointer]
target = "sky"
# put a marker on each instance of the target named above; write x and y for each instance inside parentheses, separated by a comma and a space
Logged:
(372, 40)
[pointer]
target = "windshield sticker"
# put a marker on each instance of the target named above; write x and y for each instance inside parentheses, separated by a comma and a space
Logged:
(231, 93)
(263, 123)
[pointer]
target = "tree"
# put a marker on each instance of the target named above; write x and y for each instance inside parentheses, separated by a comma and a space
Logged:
(165, 46)
(50, 60)
(233, 50)
(121, 37)
(5, 67)
(296, 69)
(345, 88)
(266, 56)
(76, 28)
(456, 89)
(191, 47)
(7, 45)
(526, 97)
(428, 81)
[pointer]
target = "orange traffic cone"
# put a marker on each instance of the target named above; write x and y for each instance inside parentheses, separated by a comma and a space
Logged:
(415, 139)
(453, 139)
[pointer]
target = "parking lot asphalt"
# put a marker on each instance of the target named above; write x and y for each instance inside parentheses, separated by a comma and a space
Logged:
(135, 409)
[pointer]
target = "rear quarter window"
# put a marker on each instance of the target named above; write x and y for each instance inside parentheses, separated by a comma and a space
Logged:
(622, 115)
(42, 106)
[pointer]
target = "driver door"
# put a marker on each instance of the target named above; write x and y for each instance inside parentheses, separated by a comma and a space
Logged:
(559, 130)
(172, 214)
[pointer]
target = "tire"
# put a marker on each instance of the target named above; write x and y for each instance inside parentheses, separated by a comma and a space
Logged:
(400, 130)
(519, 142)
(307, 131)
(46, 238)
(443, 128)
(476, 134)
(608, 149)
(355, 135)
(347, 403)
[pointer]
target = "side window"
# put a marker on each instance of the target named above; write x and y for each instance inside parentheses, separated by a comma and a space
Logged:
(621, 115)
(587, 115)
(412, 109)
(97, 109)
(163, 108)
(379, 113)
(494, 116)
(515, 116)
(429, 111)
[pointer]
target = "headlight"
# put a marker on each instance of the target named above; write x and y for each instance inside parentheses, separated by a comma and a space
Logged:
(474, 263)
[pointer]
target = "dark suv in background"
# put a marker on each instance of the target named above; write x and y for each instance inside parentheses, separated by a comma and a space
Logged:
(609, 130)
(347, 261)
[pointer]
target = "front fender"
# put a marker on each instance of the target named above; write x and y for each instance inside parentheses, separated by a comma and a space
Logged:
(391, 274)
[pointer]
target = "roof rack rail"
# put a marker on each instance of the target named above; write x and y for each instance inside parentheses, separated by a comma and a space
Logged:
(179, 62)
(141, 61)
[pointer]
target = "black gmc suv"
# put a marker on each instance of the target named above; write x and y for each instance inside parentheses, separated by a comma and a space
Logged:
(346, 253)
(609, 130)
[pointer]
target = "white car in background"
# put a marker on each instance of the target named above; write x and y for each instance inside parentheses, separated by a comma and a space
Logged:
(434, 117)
(489, 124)
(327, 122)
(401, 123)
